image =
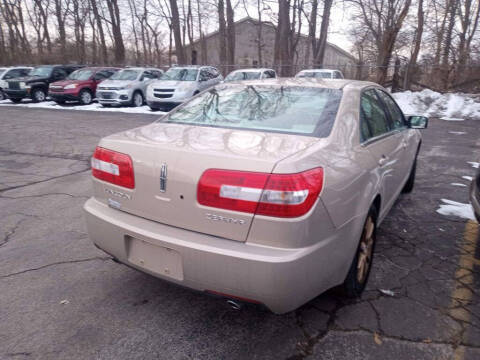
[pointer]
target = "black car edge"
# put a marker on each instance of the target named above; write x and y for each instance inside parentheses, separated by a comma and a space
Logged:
(475, 195)
(36, 85)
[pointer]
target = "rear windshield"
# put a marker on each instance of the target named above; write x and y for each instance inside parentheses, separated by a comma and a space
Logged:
(80, 75)
(289, 109)
(243, 75)
(125, 75)
(180, 74)
(315, 74)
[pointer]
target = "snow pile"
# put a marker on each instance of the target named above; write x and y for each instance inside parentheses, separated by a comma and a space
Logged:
(74, 106)
(456, 209)
(449, 106)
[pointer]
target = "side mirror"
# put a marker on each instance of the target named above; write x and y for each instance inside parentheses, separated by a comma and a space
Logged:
(417, 122)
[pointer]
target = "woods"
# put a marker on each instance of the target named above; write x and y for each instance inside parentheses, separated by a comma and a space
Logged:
(436, 42)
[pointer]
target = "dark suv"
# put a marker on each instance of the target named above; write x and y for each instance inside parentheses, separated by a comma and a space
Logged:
(36, 84)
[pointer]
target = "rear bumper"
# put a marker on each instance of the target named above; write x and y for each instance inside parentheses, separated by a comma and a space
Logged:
(475, 198)
(280, 278)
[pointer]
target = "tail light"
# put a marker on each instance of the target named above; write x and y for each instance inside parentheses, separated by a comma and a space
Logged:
(279, 195)
(113, 167)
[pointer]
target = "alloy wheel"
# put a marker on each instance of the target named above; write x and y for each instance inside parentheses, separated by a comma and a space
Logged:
(138, 100)
(86, 98)
(365, 250)
(39, 95)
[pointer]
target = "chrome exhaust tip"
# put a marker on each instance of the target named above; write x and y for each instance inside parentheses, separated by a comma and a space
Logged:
(234, 305)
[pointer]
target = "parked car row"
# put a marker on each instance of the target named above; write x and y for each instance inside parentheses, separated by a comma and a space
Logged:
(128, 86)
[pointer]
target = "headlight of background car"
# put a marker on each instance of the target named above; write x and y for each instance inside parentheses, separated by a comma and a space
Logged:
(71, 86)
(23, 85)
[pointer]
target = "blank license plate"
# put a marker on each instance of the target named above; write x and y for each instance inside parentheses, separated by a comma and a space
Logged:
(158, 259)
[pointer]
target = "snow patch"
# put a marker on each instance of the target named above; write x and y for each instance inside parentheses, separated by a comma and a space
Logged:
(458, 184)
(474, 164)
(469, 178)
(448, 106)
(92, 107)
(454, 208)
(457, 132)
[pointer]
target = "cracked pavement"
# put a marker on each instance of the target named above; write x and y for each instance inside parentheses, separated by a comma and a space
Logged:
(431, 263)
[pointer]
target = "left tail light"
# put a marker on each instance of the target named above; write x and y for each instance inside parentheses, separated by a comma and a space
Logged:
(113, 167)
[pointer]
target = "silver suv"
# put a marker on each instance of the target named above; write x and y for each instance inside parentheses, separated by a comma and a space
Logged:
(179, 84)
(127, 86)
(11, 73)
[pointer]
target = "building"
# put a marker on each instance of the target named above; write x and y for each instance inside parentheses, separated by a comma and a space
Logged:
(246, 50)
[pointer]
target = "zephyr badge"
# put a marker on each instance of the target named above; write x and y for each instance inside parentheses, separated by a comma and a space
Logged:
(163, 178)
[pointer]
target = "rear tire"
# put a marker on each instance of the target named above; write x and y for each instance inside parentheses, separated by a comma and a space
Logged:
(85, 97)
(2, 95)
(408, 187)
(359, 272)
(39, 95)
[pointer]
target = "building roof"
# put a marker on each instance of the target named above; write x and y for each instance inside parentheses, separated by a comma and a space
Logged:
(268, 23)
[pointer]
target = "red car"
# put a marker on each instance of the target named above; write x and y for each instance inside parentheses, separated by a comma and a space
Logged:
(80, 85)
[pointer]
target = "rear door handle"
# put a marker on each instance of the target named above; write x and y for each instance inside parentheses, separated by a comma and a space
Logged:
(383, 160)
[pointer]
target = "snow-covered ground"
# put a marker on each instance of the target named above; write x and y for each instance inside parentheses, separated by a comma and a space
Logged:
(449, 106)
(73, 106)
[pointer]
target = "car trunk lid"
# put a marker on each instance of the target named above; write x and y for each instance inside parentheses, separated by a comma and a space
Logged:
(168, 161)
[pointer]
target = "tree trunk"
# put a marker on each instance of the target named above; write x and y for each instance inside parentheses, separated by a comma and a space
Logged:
(177, 34)
(59, 13)
(119, 49)
(230, 34)
(283, 36)
(222, 36)
(259, 34)
(416, 50)
(322, 42)
(103, 44)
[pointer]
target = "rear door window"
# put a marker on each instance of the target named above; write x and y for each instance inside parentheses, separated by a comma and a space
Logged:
(373, 118)
(396, 114)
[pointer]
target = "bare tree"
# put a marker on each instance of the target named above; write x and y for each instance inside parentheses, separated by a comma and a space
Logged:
(175, 23)
(384, 19)
(416, 47)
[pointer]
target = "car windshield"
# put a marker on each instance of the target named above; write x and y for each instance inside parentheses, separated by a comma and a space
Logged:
(43, 71)
(243, 75)
(125, 75)
(315, 74)
(289, 109)
(80, 75)
(180, 74)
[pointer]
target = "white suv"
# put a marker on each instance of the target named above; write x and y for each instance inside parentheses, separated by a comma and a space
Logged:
(251, 74)
(11, 73)
(179, 84)
(127, 86)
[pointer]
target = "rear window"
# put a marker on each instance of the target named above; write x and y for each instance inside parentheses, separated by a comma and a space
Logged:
(289, 109)
(243, 75)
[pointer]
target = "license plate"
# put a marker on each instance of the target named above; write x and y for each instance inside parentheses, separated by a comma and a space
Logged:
(106, 95)
(157, 259)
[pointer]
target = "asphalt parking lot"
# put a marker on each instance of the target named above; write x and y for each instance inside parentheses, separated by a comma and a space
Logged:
(61, 298)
